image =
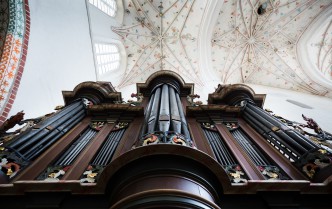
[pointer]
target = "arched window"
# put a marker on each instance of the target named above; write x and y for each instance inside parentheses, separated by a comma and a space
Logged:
(107, 6)
(107, 57)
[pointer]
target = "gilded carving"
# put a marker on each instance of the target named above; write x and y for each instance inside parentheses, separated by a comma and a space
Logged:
(236, 174)
(53, 173)
(150, 139)
(91, 174)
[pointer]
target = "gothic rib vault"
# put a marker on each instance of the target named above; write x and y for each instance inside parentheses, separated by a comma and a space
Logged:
(247, 44)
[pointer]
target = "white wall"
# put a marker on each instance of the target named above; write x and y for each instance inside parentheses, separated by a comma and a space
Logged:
(59, 55)
(101, 32)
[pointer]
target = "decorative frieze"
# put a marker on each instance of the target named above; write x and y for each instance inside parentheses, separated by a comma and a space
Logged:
(168, 137)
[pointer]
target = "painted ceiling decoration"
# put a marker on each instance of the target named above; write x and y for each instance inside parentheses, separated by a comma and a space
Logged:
(14, 35)
(256, 42)
(161, 35)
(322, 47)
(252, 41)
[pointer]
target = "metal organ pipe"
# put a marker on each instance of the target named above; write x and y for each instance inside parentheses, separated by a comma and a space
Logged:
(53, 136)
(247, 146)
(164, 116)
(266, 116)
(184, 127)
(147, 115)
(175, 114)
(104, 150)
(154, 111)
(34, 132)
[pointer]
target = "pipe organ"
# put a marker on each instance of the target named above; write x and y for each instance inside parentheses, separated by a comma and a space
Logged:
(164, 150)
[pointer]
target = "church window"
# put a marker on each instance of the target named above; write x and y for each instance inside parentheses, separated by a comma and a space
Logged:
(107, 6)
(107, 57)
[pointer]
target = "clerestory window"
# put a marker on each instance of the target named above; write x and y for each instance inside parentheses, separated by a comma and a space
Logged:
(107, 6)
(107, 57)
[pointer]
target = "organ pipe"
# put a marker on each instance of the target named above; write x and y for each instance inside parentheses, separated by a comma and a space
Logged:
(184, 127)
(154, 111)
(175, 114)
(164, 119)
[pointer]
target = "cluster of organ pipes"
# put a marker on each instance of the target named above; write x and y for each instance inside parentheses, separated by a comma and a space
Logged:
(290, 143)
(266, 167)
(76, 148)
(307, 156)
(33, 142)
(107, 150)
(103, 156)
(256, 156)
(165, 113)
(57, 170)
(224, 155)
(219, 148)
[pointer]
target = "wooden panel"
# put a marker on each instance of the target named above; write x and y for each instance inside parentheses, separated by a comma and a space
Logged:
(165, 183)
(130, 137)
(83, 160)
(40, 164)
(275, 156)
(184, 103)
(199, 137)
(247, 165)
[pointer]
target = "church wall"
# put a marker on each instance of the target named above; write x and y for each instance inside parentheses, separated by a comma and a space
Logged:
(59, 56)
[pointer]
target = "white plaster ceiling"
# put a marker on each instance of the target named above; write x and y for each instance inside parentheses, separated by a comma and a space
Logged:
(322, 48)
(161, 35)
(262, 49)
(242, 46)
(315, 48)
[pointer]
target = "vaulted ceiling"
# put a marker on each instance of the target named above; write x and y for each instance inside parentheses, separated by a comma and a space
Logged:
(161, 35)
(279, 43)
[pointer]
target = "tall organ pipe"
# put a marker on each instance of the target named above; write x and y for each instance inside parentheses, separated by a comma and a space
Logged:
(184, 126)
(164, 118)
(154, 111)
(289, 142)
(175, 115)
(69, 156)
(147, 115)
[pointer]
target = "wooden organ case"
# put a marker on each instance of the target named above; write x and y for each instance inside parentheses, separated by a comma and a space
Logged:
(163, 150)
